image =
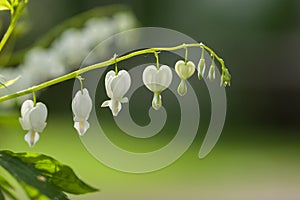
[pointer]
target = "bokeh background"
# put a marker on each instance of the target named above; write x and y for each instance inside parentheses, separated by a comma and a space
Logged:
(257, 156)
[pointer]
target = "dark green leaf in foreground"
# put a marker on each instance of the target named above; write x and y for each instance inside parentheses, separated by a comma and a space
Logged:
(6, 187)
(42, 176)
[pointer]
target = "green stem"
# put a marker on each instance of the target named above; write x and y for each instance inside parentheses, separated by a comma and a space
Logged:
(221, 61)
(111, 61)
(14, 18)
(157, 60)
(34, 98)
(202, 52)
(186, 55)
(81, 83)
(116, 64)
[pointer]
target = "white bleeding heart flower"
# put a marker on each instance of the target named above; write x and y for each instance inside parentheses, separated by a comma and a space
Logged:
(157, 80)
(82, 107)
(116, 86)
(33, 119)
(184, 70)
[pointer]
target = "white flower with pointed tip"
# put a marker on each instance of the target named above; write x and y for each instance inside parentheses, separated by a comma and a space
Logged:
(33, 119)
(116, 86)
(212, 72)
(82, 107)
(184, 70)
(201, 68)
(157, 80)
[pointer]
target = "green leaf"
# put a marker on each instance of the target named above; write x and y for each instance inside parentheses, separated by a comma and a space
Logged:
(43, 177)
(5, 5)
(6, 187)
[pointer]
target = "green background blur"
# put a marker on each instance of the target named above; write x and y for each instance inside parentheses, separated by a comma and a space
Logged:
(257, 156)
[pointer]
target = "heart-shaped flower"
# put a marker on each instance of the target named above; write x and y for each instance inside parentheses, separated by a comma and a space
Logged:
(33, 119)
(81, 107)
(157, 80)
(184, 70)
(116, 86)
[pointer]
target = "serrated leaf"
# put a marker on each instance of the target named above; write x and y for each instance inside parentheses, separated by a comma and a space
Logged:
(43, 173)
(10, 82)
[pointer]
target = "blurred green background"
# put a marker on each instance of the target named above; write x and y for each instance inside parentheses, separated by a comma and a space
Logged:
(257, 156)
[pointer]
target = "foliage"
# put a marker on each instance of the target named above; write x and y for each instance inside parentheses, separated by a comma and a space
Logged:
(41, 176)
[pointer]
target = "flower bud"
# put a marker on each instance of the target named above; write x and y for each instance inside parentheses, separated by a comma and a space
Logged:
(201, 68)
(212, 73)
(225, 78)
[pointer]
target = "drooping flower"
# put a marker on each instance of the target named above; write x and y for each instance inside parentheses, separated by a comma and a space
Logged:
(116, 86)
(81, 107)
(33, 119)
(201, 68)
(212, 71)
(184, 70)
(201, 65)
(157, 80)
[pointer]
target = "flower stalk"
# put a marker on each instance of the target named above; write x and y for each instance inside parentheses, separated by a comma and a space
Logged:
(111, 61)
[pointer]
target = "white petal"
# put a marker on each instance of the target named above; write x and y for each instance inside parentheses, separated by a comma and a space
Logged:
(106, 103)
(156, 101)
(120, 84)
(115, 107)
(124, 100)
(26, 106)
(165, 76)
(184, 70)
(201, 68)
(108, 78)
(81, 127)
(31, 138)
(37, 117)
(82, 105)
(25, 123)
(157, 80)
(211, 73)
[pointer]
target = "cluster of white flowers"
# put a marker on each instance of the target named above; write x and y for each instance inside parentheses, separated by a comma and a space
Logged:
(34, 115)
(65, 53)
(117, 83)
